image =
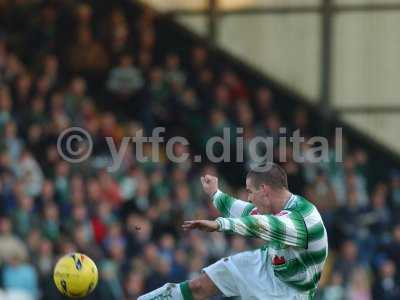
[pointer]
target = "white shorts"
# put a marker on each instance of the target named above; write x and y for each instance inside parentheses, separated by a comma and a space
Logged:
(249, 276)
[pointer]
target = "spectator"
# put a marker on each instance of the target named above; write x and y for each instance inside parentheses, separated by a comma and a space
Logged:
(395, 190)
(12, 143)
(20, 277)
(51, 221)
(174, 75)
(350, 217)
(5, 106)
(87, 55)
(391, 250)
(264, 102)
(125, 80)
(30, 173)
(322, 194)
(335, 291)
(10, 243)
(348, 262)
(134, 285)
(359, 286)
(109, 285)
(24, 218)
(386, 286)
(75, 96)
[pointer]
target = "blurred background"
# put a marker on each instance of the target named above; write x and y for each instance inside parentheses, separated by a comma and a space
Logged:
(116, 68)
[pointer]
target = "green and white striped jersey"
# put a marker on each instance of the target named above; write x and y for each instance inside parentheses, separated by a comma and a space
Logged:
(297, 241)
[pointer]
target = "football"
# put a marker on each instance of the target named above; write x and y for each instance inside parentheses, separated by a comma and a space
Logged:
(75, 275)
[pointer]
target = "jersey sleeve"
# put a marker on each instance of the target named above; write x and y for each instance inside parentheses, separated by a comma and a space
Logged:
(231, 207)
(287, 228)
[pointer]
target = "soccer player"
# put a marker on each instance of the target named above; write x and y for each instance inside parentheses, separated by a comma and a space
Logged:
(288, 267)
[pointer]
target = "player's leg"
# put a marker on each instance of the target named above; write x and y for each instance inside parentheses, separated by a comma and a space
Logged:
(167, 291)
(199, 288)
(202, 287)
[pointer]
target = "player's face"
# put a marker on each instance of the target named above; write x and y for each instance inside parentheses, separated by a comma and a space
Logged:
(258, 196)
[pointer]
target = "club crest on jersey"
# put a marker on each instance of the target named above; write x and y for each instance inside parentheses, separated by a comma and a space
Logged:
(254, 212)
(278, 260)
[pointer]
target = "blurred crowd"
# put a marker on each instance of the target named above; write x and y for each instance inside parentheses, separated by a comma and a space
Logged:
(102, 67)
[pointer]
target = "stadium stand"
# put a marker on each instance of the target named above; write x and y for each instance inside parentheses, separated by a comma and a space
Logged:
(114, 68)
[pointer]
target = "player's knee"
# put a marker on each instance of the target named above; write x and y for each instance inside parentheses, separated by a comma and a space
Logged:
(197, 289)
(202, 287)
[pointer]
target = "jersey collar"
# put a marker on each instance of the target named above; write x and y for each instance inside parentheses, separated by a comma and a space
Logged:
(289, 202)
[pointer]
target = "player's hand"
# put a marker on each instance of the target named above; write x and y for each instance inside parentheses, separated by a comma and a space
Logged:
(210, 184)
(203, 225)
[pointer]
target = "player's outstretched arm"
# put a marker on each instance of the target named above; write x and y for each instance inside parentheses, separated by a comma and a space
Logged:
(288, 228)
(204, 225)
(228, 206)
